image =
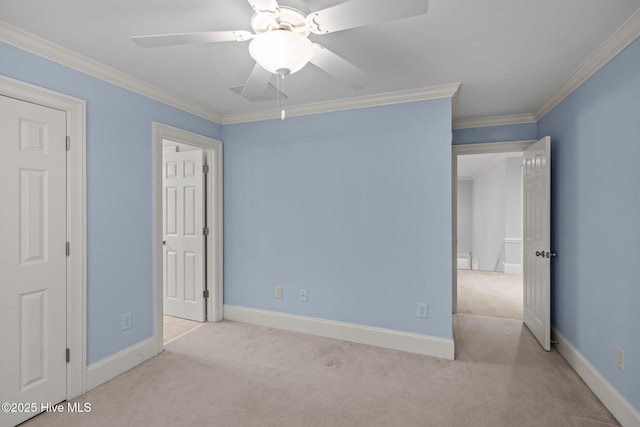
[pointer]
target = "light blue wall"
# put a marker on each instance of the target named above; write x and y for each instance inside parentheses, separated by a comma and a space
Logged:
(521, 132)
(354, 206)
(119, 195)
(595, 137)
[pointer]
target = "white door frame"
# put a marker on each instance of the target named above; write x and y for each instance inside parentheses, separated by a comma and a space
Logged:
(214, 221)
(76, 220)
(459, 150)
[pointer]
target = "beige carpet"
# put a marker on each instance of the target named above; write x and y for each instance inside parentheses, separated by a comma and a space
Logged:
(233, 374)
(490, 294)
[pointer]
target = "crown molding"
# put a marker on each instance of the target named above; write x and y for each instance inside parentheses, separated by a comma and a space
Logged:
(619, 40)
(612, 46)
(454, 102)
(41, 47)
(433, 92)
(511, 119)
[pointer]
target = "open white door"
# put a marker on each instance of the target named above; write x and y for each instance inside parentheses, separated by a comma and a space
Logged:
(536, 240)
(33, 266)
(184, 234)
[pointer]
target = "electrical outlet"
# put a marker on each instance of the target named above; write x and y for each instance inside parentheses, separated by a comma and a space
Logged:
(620, 358)
(423, 310)
(126, 321)
(303, 295)
(277, 291)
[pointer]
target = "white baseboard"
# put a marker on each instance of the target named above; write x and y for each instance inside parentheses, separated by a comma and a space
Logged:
(463, 264)
(404, 341)
(109, 368)
(512, 268)
(464, 260)
(624, 412)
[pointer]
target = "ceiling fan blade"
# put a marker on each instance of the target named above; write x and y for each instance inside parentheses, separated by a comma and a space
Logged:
(358, 13)
(257, 82)
(266, 7)
(338, 67)
(192, 38)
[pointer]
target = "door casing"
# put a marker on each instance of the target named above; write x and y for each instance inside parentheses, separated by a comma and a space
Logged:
(76, 220)
(214, 221)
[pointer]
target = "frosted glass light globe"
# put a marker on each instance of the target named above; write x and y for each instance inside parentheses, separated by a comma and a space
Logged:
(281, 50)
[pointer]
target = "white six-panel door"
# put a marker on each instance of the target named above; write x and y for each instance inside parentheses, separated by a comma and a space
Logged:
(184, 242)
(536, 240)
(32, 256)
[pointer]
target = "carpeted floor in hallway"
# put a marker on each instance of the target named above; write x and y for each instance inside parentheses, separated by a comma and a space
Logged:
(490, 293)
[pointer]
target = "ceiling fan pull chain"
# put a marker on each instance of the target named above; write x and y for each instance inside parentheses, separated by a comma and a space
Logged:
(277, 90)
(280, 75)
(282, 113)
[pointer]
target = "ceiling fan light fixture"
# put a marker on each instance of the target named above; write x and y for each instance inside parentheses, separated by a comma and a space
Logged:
(281, 50)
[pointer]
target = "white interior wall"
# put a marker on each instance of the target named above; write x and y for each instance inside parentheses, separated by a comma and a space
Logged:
(465, 209)
(488, 216)
(489, 211)
(513, 216)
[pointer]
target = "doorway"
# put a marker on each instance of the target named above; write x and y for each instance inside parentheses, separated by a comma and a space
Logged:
(188, 231)
(489, 234)
(487, 249)
(536, 230)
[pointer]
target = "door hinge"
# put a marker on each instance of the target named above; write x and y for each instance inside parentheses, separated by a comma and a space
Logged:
(205, 168)
(68, 248)
(68, 355)
(205, 293)
(205, 231)
(68, 143)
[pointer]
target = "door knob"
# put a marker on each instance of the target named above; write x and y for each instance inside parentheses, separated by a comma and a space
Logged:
(538, 253)
(164, 242)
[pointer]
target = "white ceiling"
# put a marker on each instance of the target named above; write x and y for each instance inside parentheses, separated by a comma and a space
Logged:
(472, 165)
(510, 55)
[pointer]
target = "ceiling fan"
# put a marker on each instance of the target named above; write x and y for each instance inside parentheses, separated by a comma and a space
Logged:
(281, 45)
